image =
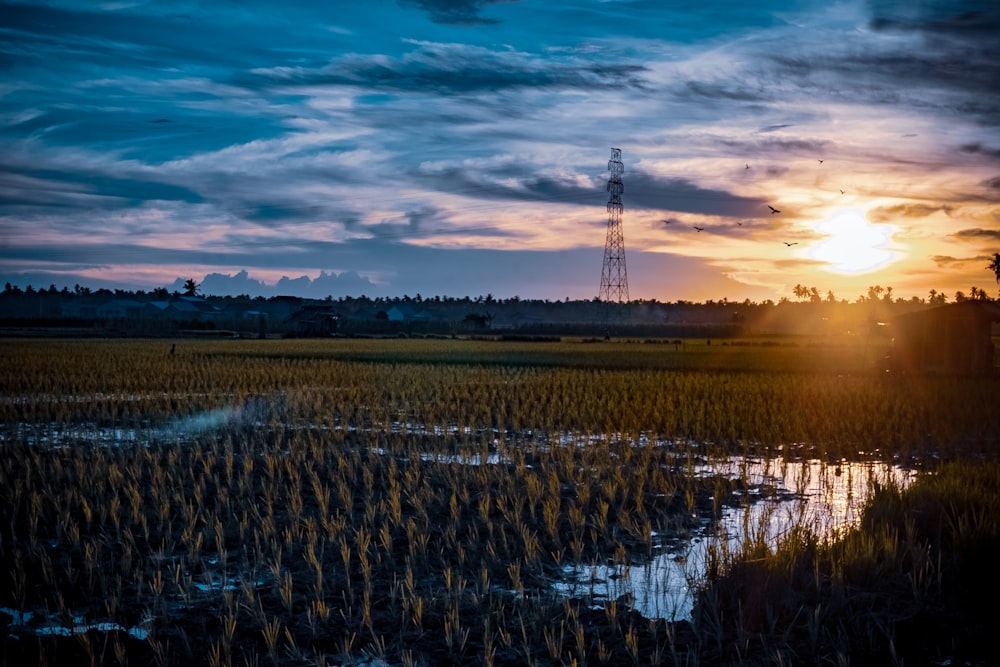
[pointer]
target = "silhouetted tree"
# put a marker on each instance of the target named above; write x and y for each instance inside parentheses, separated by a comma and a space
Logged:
(994, 266)
(190, 287)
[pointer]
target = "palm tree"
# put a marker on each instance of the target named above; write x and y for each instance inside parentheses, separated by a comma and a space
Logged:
(994, 266)
(190, 287)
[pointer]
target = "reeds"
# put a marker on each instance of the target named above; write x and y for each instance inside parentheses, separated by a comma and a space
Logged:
(913, 581)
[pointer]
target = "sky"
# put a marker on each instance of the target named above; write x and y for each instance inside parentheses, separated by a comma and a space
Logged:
(461, 147)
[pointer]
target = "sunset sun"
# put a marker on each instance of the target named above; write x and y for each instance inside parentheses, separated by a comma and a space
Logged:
(852, 244)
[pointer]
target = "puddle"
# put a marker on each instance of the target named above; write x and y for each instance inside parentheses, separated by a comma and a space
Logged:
(779, 496)
(50, 626)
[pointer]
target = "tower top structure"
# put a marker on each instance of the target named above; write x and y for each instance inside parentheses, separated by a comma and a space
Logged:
(614, 274)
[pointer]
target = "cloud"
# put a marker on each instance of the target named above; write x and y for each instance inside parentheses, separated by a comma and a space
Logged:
(966, 17)
(324, 284)
(978, 233)
(887, 213)
(519, 181)
(459, 12)
(112, 40)
(456, 68)
(724, 91)
(949, 262)
(45, 187)
(775, 128)
(977, 148)
(645, 191)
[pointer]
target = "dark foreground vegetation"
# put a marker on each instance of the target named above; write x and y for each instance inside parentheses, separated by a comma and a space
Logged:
(411, 503)
(915, 583)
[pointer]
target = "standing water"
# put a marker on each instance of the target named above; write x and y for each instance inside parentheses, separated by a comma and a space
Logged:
(779, 497)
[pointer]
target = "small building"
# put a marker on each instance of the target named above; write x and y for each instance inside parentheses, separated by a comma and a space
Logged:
(954, 338)
(120, 309)
(313, 321)
(80, 308)
(477, 321)
(405, 312)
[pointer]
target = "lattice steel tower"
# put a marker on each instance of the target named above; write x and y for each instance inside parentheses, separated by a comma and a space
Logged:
(614, 276)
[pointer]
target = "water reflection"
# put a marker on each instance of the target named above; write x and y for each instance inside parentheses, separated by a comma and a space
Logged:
(778, 496)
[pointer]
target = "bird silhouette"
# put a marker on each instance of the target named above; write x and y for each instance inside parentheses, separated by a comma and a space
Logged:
(841, 192)
(739, 224)
(700, 229)
(666, 222)
(773, 210)
(790, 244)
(748, 165)
(821, 162)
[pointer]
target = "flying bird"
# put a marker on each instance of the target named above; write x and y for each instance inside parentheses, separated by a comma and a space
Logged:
(700, 229)
(666, 221)
(748, 165)
(821, 162)
(790, 244)
(841, 192)
(773, 210)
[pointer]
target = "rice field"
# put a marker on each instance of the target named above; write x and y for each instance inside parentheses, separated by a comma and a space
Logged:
(434, 502)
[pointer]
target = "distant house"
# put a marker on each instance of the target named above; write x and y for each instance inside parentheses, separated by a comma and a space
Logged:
(475, 321)
(312, 321)
(170, 310)
(80, 308)
(405, 312)
(203, 309)
(281, 308)
(954, 338)
(120, 309)
(180, 309)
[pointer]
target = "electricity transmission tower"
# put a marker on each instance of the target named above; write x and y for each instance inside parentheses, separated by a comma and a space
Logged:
(614, 276)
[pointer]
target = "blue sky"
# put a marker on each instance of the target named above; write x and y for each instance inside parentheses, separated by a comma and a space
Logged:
(460, 147)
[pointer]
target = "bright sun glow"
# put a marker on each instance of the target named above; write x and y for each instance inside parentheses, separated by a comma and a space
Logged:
(853, 244)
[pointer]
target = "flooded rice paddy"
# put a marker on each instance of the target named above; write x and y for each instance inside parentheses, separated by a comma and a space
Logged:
(772, 496)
